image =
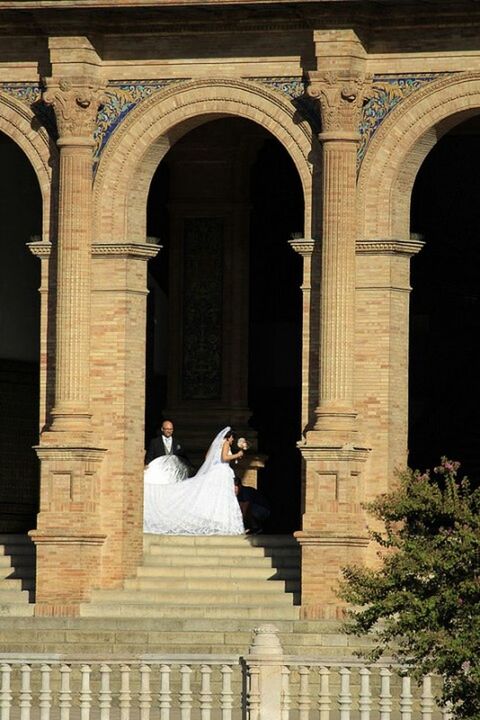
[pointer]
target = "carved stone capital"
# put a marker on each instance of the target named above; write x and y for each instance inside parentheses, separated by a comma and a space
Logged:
(302, 246)
(340, 98)
(76, 102)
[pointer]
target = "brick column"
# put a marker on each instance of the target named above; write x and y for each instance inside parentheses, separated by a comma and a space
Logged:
(68, 535)
(333, 531)
(381, 359)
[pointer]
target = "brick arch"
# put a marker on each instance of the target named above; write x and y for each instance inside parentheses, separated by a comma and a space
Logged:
(134, 151)
(19, 123)
(400, 146)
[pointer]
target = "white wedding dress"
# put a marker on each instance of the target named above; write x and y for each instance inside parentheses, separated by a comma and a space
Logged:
(205, 504)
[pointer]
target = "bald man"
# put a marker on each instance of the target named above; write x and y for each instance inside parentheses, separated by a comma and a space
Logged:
(165, 444)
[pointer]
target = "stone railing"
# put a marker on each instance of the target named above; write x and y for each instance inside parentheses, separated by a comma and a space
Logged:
(263, 685)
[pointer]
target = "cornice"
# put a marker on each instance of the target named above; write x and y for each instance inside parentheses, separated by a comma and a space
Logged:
(389, 247)
(302, 246)
(131, 250)
(40, 248)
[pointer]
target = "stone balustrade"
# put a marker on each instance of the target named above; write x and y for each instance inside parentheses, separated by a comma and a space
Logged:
(264, 685)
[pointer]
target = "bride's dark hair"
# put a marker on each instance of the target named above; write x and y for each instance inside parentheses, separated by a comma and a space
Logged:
(230, 433)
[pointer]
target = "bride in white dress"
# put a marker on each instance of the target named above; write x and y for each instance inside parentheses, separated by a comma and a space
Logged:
(205, 504)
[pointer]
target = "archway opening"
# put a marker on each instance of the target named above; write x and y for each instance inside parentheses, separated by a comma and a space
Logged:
(225, 308)
(445, 303)
(20, 219)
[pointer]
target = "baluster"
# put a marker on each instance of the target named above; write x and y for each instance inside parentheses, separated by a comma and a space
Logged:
(5, 692)
(447, 713)
(45, 695)
(303, 694)
(85, 692)
(254, 693)
(145, 696)
(105, 695)
(205, 692)
(426, 702)
(65, 695)
(345, 696)
(165, 696)
(406, 700)
(226, 695)
(365, 696)
(286, 700)
(385, 702)
(185, 693)
(125, 696)
(324, 699)
(25, 699)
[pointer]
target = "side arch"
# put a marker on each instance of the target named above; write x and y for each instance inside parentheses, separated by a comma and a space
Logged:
(134, 151)
(400, 146)
(19, 123)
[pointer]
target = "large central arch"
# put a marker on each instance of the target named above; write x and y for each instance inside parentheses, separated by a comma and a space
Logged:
(399, 147)
(136, 148)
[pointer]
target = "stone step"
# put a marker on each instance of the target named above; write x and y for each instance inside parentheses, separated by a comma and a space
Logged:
(160, 610)
(221, 551)
(227, 540)
(221, 561)
(192, 597)
(15, 609)
(17, 550)
(212, 584)
(15, 539)
(149, 626)
(23, 564)
(13, 594)
(19, 583)
(218, 571)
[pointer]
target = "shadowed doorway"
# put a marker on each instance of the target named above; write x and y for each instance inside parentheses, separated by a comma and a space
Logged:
(445, 304)
(20, 219)
(223, 203)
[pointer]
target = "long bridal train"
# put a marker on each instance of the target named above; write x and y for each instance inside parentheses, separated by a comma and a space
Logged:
(205, 504)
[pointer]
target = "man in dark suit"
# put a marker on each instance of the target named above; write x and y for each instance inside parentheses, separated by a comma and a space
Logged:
(165, 444)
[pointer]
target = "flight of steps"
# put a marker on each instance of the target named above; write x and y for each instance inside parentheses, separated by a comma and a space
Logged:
(208, 590)
(17, 575)
(190, 595)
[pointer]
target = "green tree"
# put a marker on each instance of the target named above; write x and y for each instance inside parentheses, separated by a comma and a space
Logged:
(422, 602)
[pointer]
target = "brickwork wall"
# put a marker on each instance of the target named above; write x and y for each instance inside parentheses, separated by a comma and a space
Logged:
(118, 275)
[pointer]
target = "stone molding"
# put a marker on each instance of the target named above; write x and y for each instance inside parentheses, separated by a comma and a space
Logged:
(40, 248)
(309, 538)
(302, 246)
(389, 247)
(131, 250)
(327, 453)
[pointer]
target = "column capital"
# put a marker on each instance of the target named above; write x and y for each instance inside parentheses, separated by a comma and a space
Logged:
(340, 97)
(303, 246)
(76, 101)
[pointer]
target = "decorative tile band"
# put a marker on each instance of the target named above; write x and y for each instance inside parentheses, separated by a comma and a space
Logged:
(123, 96)
(388, 90)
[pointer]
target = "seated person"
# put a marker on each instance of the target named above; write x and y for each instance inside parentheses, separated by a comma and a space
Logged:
(255, 508)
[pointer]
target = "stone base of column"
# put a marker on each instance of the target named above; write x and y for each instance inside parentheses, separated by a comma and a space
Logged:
(67, 569)
(68, 537)
(334, 531)
(323, 556)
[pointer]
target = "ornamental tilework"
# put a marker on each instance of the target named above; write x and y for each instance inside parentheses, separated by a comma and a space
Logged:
(31, 95)
(387, 92)
(123, 96)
